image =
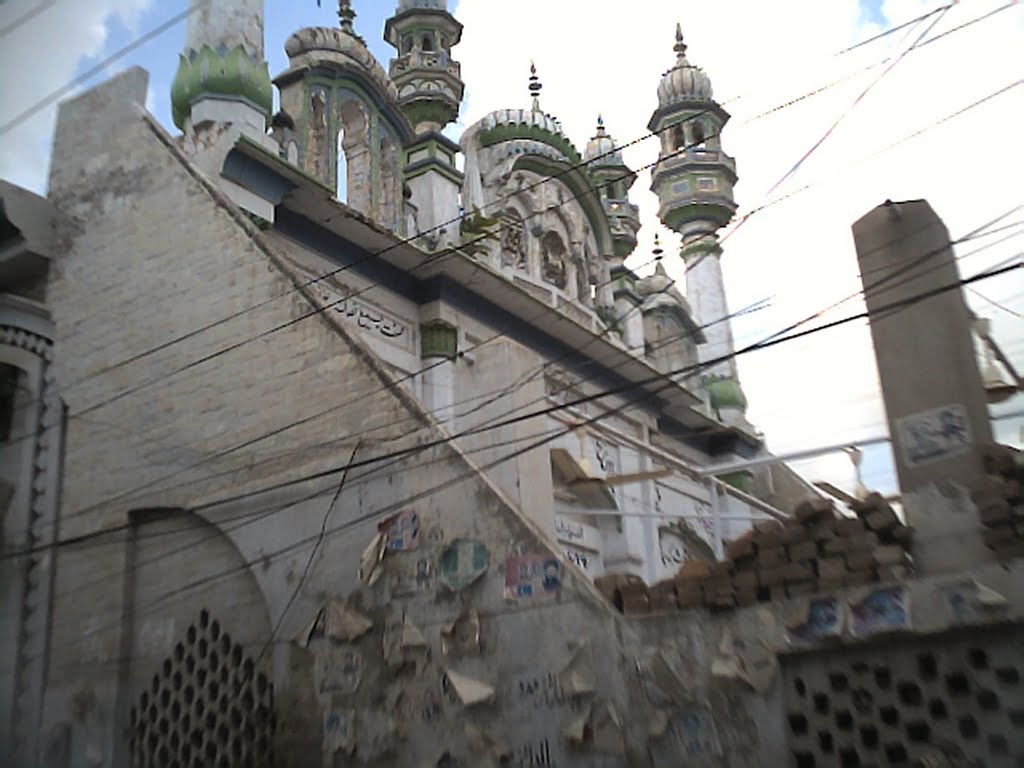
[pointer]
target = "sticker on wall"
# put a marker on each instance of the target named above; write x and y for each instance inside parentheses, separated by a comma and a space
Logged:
(884, 610)
(824, 621)
(689, 734)
(939, 433)
(402, 530)
(339, 731)
(532, 576)
(461, 563)
(340, 669)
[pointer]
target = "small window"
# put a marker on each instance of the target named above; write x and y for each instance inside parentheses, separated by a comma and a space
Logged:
(406, 46)
(707, 184)
(428, 43)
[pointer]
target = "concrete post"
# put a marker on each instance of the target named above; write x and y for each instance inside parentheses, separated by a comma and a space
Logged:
(934, 397)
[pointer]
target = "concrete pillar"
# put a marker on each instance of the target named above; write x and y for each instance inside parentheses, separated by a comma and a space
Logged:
(934, 397)
(705, 292)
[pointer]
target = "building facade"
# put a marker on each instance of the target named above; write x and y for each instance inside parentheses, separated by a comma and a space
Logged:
(321, 425)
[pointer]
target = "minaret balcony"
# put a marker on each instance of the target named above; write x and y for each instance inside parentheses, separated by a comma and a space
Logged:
(432, 61)
(696, 159)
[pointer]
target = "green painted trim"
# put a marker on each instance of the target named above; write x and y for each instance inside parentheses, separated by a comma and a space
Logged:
(715, 212)
(512, 131)
(726, 393)
(439, 339)
(233, 74)
(420, 110)
(433, 165)
(700, 247)
(742, 480)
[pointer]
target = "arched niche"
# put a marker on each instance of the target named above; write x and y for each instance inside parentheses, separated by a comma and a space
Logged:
(196, 655)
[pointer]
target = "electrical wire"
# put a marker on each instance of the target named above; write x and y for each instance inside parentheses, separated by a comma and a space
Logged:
(476, 472)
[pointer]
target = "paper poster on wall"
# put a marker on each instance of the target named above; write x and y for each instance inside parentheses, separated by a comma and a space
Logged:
(884, 610)
(824, 621)
(461, 563)
(532, 576)
(403, 531)
(939, 433)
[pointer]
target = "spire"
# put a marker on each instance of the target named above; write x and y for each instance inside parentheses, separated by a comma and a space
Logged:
(535, 87)
(601, 132)
(680, 46)
(346, 15)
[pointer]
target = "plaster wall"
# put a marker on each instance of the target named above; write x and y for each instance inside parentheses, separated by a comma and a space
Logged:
(705, 291)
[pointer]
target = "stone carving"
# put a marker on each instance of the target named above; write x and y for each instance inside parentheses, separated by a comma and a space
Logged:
(513, 244)
(553, 257)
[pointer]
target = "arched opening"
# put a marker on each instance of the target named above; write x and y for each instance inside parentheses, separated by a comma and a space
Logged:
(553, 258)
(678, 137)
(342, 169)
(698, 134)
(428, 43)
(406, 45)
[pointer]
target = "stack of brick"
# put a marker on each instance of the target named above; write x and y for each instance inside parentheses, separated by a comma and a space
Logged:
(815, 550)
(1000, 502)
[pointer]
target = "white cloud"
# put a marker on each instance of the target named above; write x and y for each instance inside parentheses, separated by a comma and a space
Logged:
(39, 57)
(607, 56)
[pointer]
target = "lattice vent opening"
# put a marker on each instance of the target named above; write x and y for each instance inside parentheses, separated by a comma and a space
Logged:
(206, 706)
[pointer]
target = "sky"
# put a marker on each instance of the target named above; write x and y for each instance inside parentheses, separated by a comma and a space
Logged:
(607, 57)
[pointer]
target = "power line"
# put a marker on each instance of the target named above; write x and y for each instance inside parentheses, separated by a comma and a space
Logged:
(476, 472)
(410, 240)
(93, 71)
(26, 17)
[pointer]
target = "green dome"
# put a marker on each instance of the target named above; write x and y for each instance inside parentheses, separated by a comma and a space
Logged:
(726, 393)
(232, 73)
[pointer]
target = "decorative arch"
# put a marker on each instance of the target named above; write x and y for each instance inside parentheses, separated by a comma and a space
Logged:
(195, 630)
(354, 154)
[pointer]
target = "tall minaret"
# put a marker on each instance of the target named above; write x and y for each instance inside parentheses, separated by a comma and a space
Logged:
(694, 182)
(222, 76)
(430, 90)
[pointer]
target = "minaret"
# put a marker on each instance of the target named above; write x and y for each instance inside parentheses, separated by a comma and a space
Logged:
(694, 182)
(614, 179)
(430, 90)
(222, 76)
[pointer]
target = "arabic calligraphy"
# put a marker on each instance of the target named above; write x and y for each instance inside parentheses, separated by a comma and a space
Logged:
(567, 530)
(366, 316)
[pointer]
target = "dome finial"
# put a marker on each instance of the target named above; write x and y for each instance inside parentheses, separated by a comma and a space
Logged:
(535, 87)
(657, 247)
(680, 46)
(600, 127)
(346, 15)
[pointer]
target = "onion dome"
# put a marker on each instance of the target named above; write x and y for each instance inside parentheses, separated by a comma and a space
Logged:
(601, 148)
(408, 5)
(684, 82)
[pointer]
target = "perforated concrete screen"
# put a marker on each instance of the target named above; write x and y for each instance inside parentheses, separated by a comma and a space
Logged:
(207, 706)
(886, 704)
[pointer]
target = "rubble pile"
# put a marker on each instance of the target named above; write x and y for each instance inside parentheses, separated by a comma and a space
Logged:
(1000, 503)
(815, 550)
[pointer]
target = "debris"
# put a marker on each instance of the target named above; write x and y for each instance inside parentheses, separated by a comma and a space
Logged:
(661, 683)
(486, 750)
(461, 563)
(988, 597)
(403, 643)
(345, 623)
(369, 562)
(658, 726)
(606, 728)
(577, 676)
(469, 691)
(463, 634)
(576, 731)
(314, 630)
(412, 637)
